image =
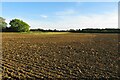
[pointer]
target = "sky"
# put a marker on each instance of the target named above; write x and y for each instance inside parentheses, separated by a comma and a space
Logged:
(63, 15)
(60, 0)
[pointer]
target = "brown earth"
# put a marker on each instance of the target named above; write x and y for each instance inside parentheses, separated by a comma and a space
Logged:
(70, 55)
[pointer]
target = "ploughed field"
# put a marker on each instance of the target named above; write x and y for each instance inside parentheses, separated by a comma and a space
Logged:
(69, 55)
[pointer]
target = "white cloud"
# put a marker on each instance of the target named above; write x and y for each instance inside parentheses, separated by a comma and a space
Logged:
(107, 20)
(44, 16)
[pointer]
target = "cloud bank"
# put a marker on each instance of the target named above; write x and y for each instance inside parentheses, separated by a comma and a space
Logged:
(63, 22)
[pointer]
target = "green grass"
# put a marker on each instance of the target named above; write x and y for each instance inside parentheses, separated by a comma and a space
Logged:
(50, 32)
(37, 33)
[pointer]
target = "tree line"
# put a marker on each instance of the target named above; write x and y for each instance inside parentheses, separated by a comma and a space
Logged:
(17, 25)
(88, 30)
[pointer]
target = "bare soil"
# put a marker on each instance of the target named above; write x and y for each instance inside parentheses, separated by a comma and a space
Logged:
(55, 56)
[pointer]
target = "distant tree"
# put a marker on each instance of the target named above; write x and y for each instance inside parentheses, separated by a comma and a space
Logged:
(71, 30)
(3, 24)
(19, 26)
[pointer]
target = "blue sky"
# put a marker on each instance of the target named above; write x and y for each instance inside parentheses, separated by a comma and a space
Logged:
(63, 15)
(59, 0)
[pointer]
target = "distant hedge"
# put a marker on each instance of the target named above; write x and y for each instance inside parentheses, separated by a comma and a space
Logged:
(101, 30)
(91, 30)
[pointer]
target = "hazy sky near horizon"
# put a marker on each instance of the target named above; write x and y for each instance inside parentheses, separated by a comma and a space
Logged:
(63, 15)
